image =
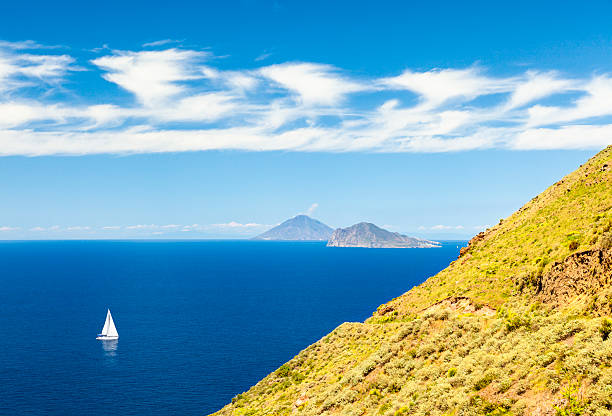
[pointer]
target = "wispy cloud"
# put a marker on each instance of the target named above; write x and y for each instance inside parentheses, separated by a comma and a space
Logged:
(182, 102)
(312, 83)
(438, 86)
(160, 42)
(442, 227)
(228, 229)
(78, 228)
(234, 225)
(19, 70)
(312, 209)
(263, 56)
(148, 227)
(152, 76)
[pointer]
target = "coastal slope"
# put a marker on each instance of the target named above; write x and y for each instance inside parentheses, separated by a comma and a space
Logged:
(368, 235)
(519, 324)
(298, 228)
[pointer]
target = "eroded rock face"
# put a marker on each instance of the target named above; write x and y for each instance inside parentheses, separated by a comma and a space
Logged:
(584, 273)
(478, 237)
(461, 304)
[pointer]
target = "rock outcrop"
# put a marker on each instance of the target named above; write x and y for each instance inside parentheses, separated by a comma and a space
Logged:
(587, 273)
(368, 235)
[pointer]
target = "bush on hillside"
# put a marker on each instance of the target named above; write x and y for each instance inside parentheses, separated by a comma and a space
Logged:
(605, 328)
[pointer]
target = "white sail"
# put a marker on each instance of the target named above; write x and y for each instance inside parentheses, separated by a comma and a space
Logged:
(112, 331)
(106, 323)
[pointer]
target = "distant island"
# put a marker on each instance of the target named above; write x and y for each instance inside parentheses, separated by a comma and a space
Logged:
(299, 228)
(368, 235)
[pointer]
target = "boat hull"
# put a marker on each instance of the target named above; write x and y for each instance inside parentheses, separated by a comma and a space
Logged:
(105, 338)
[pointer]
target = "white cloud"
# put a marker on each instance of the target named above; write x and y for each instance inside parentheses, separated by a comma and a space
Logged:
(240, 81)
(183, 105)
(153, 76)
(19, 70)
(160, 42)
(595, 102)
(78, 228)
(191, 227)
(202, 107)
(312, 208)
(142, 227)
(565, 137)
(313, 83)
(234, 224)
(263, 56)
(439, 85)
(442, 227)
(229, 229)
(539, 85)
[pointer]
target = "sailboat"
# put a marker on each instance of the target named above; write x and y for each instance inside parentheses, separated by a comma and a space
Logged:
(109, 332)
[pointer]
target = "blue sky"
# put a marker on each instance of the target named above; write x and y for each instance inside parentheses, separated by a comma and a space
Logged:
(220, 119)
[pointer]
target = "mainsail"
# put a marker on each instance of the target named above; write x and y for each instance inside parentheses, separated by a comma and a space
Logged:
(109, 329)
(112, 331)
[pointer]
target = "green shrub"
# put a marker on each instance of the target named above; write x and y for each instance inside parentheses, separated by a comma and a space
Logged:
(376, 393)
(384, 408)
(484, 381)
(484, 407)
(297, 377)
(237, 398)
(283, 371)
(452, 372)
(513, 321)
(573, 406)
(605, 328)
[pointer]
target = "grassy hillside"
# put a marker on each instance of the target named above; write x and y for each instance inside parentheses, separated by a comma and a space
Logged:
(519, 324)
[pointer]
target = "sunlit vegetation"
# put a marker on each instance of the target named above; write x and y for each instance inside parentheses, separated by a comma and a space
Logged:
(506, 329)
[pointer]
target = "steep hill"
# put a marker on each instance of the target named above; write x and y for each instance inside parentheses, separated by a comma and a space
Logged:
(519, 324)
(301, 227)
(368, 235)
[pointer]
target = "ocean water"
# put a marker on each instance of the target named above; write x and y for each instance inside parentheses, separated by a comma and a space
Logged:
(199, 321)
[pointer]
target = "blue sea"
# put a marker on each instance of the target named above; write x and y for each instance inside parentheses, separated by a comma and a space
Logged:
(199, 321)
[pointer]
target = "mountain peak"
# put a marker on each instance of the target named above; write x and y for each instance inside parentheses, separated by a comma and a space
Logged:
(299, 228)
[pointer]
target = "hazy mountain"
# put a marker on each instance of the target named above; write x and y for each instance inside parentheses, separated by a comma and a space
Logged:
(301, 227)
(368, 235)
